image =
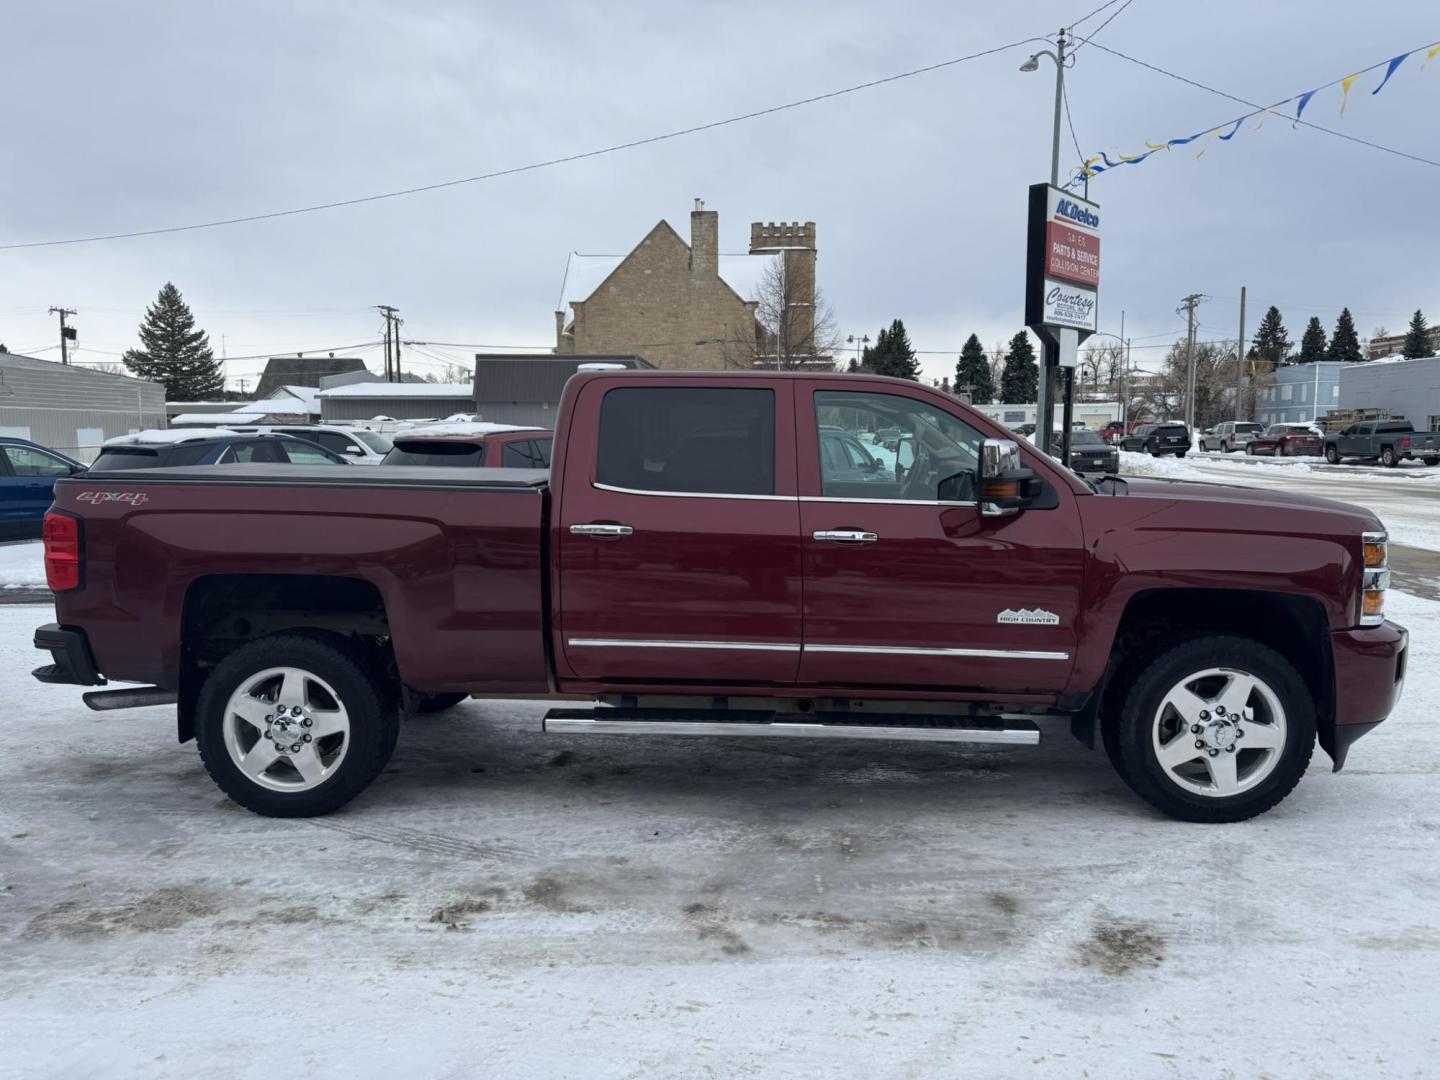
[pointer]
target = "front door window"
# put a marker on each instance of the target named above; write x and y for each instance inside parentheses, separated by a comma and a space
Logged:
(885, 446)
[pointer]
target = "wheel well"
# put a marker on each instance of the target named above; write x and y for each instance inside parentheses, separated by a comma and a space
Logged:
(1294, 626)
(224, 611)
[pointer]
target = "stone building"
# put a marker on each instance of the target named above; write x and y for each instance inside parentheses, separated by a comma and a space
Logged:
(682, 305)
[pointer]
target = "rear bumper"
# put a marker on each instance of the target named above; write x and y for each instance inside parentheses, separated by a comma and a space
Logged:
(73, 663)
(1369, 674)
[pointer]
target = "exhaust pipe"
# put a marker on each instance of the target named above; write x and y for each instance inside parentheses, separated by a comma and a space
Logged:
(131, 698)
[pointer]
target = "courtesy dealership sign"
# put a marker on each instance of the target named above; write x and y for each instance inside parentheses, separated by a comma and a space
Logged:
(1062, 266)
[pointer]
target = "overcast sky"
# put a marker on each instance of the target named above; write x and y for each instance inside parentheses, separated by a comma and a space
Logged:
(135, 116)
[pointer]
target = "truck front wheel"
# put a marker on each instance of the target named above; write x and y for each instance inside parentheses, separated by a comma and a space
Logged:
(1215, 729)
(292, 726)
(1332, 455)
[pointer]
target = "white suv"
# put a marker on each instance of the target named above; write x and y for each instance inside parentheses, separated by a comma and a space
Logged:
(357, 445)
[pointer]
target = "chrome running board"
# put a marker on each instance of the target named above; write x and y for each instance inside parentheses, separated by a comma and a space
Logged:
(752, 725)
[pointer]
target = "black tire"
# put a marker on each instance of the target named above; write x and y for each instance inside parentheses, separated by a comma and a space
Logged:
(438, 703)
(1179, 453)
(373, 720)
(1432, 461)
(1130, 745)
(1224, 448)
(1250, 451)
(1152, 449)
(1332, 455)
(1388, 458)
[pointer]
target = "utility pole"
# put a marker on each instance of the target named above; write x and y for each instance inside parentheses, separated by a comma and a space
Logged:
(1050, 353)
(67, 333)
(1240, 362)
(1188, 305)
(392, 359)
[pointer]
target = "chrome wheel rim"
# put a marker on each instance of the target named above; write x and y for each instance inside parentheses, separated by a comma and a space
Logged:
(1219, 732)
(286, 729)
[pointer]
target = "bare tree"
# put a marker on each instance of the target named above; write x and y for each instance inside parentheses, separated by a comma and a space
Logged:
(790, 339)
(1163, 395)
(995, 357)
(450, 372)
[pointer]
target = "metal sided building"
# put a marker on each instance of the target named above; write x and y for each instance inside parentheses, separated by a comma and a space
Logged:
(1300, 393)
(399, 401)
(525, 388)
(1409, 389)
(73, 409)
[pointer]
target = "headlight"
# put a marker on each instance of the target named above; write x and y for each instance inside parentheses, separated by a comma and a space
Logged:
(1376, 578)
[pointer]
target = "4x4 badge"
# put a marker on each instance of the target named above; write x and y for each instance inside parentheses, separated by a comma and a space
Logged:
(1029, 617)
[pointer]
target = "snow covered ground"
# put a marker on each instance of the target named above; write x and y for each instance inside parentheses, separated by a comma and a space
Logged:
(508, 904)
(22, 565)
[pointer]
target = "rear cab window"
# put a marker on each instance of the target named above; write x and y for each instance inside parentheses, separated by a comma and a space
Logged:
(702, 440)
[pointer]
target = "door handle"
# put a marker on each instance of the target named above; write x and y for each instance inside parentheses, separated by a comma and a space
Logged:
(601, 530)
(847, 536)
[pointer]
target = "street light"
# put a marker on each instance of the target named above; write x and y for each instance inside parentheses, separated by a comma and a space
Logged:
(1044, 407)
(859, 343)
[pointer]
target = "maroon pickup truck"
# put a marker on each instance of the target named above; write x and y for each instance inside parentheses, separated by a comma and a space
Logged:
(702, 560)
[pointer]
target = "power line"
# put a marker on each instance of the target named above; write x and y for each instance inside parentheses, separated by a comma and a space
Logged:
(1263, 108)
(565, 159)
(1084, 41)
(1102, 7)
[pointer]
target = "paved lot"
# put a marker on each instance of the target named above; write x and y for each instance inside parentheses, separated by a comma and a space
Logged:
(509, 904)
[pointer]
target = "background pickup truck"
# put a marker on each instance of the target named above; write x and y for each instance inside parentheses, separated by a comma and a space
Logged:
(703, 558)
(1388, 440)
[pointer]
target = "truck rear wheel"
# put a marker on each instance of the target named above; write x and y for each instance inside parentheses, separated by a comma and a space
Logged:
(1388, 458)
(1215, 729)
(292, 726)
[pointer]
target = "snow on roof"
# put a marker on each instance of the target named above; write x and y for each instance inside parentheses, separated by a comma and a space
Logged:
(156, 437)
(585, 273)
(408, 389)
(415, 431)
(214, 419)
(309, 396)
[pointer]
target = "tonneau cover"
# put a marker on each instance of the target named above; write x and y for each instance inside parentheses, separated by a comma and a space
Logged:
(389, 476)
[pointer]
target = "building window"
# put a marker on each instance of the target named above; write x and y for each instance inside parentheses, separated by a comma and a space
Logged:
(1305, 392)
(1435, 423)
(1335, 391)
(1285, 392)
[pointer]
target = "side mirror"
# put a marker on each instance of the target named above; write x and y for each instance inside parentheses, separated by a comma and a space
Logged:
(353, 451)
(1005, 484)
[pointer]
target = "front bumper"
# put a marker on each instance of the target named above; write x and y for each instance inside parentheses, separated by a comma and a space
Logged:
(73, 662)
(1369, 675)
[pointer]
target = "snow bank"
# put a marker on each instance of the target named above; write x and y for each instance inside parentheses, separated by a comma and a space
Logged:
(22, 566)
(1173, 468)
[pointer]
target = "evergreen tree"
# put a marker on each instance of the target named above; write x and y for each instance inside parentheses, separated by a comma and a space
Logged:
(901, 362)
(1271, 343)
(1313, 344)
(972, 373)
(1345, 343)
(174, 353)
(1020, 381)
(1417, 338)
(875, 355)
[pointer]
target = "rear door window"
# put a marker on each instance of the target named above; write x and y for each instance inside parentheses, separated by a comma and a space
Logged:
(126, 457)
(522, 454)
(303, 453)
(704, 440)
(28, 461)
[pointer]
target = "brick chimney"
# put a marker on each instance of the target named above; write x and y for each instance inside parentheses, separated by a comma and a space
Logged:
(704, 243)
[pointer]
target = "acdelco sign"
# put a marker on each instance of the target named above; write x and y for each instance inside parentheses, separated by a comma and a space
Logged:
(1074, 212)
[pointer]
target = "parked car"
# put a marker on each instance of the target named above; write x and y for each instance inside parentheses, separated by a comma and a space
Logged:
(691, 562)
(208, 446)
(1230, 435)
(844, 455)
(1389, 441)
(359, 446)
(472, 444)
(1169, 437)
(28, 472)
(1286, 440)
(1088, 453)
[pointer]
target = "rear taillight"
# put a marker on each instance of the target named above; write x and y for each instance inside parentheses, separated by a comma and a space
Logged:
(1405, 442)
(62, 551)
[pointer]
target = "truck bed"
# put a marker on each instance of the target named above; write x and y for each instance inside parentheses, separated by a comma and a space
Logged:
(455, 555)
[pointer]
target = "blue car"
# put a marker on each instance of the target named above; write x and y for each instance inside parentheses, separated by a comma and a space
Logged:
(28, 472)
